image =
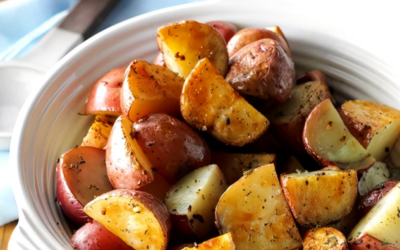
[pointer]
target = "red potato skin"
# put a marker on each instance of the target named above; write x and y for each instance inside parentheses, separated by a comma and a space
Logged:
(226, 29)
(171, 146)
(159, 60)
(312, 76)
(105, 95)
(368, 201)
(94, 236)
(367, 242)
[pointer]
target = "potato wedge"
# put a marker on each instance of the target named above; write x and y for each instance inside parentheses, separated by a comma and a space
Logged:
(211, 104)
(292, 166)
(288, 118)
(325, 238)
(254, 210)
(375, 126)
(380, 228)
(127, 166)
(234, 165)
(185, 43)
(262, 69)
(149, 89)
(99, 132)
(136, 217)
(320, 197)
(225, 29)
(376, 174)
(192, 200)
(223, 242)
(327, 139)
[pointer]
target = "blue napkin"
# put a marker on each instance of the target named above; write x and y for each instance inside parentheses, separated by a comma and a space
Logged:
(22, 24)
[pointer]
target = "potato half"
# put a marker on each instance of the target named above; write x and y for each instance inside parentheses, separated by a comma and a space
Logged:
(327, 139)
(150, 88)
(223, 242)
(375, 126)
(192, 200)
(136, 217)
(325, 238)
(99, 131)
(185, 43)
(210, 104)
(320, 197)
(254, 210)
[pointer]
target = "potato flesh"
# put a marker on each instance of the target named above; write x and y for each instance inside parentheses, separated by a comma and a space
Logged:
(254, 210)
(185, 43)
(234, 165)
(210, 104)
(223, 242)
(325, 238)
(376, 174)
(196, 196)
(150, 89)
(98, 133)
(327, 139)
(383, 221)
(130, 220)
(320, 197)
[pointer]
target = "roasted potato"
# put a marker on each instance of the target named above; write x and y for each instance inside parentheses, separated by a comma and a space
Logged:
(94, 236)
(210, 104)
(262, 69)
(255, 212)
(223, 242)
(347, 223)
(373, 176)
(235, 165)
(171, 146)
(150, 89)
(288, 118)
(127, 165)
(250, 35)
(380, 228)
(81, 176)
(375, 126)
(225, 29)
(192, 200)
(159, 60)
(99, 132)
(320, 197)
(327, 139)
(292, 166)
(185, 43)
(104, 99)
(325, 238)
(136, 217)
(158, 188)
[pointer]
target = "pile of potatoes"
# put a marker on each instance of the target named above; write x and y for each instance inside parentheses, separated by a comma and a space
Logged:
(217, 145)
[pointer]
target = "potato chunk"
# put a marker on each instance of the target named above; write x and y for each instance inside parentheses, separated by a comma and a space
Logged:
(223, 242)
(254, 210)
(150, 89)
(234, 165)
(184, 43)
(376, 174)
(136, 217)
(320, 197)
(99, 132)
(211, 104)
(325, 238)
(375, 126)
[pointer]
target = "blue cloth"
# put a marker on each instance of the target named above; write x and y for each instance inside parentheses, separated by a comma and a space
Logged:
(22, 24)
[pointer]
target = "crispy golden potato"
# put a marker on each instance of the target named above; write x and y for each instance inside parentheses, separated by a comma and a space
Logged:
(325, 238)
(211, 104)
(254, 210)
(320, 197)
(288, 118)
(223, 242)
(192, 200)
(375, 126)
(185, 43)
(136, 217)
(380, 228)
(234, 165)
(292, 166)
(99, 132)
(262, 69)
(327, 139)
(149, 89)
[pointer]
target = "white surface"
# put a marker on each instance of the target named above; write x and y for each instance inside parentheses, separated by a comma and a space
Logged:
(322, 35)
(8, 207)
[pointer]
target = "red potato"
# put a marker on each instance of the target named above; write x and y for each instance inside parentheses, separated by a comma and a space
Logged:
(225, 29)
(158, 188)
(172, 147)
(94, 236)
(368, 242)
(81, 176)
(159, 60)
(99, 132)
(138, 218)
(105, 96)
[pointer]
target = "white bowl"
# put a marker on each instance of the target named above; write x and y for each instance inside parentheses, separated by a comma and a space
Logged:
(355, 43)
